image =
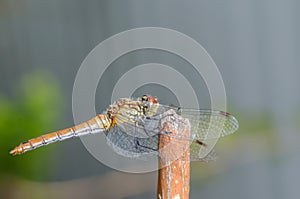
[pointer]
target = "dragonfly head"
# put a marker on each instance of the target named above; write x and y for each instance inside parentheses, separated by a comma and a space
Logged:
(150, 104)
(149, 98)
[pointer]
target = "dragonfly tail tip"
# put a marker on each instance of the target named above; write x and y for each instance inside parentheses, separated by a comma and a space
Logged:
(15, 151)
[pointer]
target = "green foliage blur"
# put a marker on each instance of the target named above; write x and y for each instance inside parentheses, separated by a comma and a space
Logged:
(33, 110)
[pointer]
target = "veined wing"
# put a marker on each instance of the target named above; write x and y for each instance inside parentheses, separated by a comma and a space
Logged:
(205, 124)
(210, 124)
(130, 146)
(136, 132)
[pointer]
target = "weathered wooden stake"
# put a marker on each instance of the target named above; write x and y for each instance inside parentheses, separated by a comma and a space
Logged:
(174, 162)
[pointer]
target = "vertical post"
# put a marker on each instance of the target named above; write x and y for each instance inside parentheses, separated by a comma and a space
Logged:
(174, 161)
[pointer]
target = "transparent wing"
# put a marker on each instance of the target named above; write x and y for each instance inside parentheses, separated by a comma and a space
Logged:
(210, 124)
(130, 146)
(136, 132)
(205, 124)
(143, 148)
(203, 152)
(195, 154)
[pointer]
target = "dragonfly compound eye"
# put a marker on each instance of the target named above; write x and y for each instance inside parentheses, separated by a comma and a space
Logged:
(144, 98)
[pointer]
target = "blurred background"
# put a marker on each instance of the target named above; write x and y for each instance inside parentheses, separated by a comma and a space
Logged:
(255, 44)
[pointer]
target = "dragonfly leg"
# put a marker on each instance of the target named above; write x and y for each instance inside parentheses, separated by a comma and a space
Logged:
(138, 144)
(200, 143)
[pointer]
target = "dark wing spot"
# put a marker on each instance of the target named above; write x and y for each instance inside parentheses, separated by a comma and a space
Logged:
(225, 113)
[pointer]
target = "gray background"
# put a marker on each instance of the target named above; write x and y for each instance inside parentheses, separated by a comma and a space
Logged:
(255, 44)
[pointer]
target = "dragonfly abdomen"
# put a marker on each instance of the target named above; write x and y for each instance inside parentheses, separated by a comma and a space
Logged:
(97, 124)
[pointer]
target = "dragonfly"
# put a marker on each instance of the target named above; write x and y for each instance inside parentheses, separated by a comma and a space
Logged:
(132, 128)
